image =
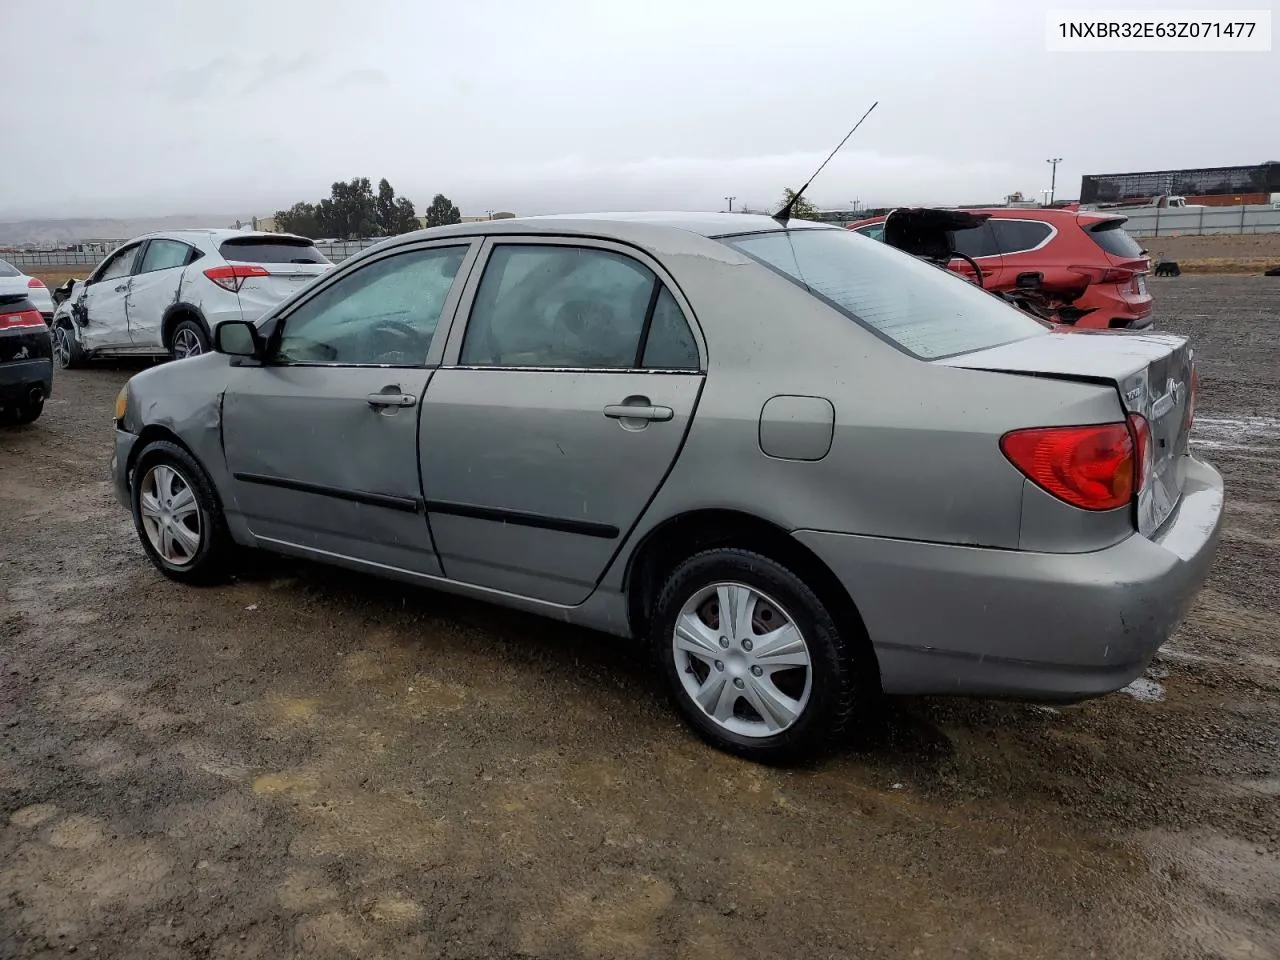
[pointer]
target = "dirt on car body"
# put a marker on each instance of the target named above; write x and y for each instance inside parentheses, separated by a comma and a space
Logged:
(310, 763)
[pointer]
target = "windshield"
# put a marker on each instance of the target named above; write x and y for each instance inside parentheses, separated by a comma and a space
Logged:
(925, 310)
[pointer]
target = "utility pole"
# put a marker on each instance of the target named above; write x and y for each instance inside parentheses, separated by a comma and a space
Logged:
(731, 199)
(1053, 179)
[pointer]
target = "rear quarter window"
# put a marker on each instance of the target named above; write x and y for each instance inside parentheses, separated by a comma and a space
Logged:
(7, 269)
(255, 250)
(924, 310)
(1019, 236)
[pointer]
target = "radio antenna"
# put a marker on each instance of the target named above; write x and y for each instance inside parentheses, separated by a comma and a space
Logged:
(783, 215)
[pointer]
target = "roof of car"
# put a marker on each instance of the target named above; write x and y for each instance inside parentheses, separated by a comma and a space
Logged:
(629, 224)
(214, 234)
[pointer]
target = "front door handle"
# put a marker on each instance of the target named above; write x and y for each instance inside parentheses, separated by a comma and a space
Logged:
(391, 399)
(627, 411)
(122, 288)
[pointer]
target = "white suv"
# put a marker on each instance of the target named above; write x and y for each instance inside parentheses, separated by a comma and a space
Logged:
(163, 294)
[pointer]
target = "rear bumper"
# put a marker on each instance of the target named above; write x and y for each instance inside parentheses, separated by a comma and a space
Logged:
(1113, 308)
(965, 620)
(19, 377)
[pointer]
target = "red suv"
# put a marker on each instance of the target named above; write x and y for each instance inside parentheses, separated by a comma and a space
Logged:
(1088, 270)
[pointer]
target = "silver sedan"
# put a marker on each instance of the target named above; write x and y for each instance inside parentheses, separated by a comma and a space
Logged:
(803, 466)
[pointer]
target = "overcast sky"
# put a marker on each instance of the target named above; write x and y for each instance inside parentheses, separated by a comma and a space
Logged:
(137, 107)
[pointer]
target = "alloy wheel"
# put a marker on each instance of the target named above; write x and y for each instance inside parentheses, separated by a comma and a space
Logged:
(170, 515)
(62, 346)
(186, 343)
(742, 660)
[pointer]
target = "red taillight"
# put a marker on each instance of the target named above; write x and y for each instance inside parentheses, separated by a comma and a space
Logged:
(35, 284)
(1141, 431)
(1105, 274)
(232, 276)
(1092, 467)
(27, 318)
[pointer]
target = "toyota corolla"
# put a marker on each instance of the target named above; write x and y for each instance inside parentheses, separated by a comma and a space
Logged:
(803, 466)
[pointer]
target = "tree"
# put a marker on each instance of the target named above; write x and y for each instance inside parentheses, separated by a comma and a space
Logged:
(301, 219)
(385, 205)
(395, 214)
(442, 211)
(405, 218)
(803, 209)
(350, 211)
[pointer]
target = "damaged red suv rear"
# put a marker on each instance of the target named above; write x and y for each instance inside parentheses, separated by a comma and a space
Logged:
(1070, 266)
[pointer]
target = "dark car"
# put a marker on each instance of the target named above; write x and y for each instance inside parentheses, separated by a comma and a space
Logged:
(26, 360)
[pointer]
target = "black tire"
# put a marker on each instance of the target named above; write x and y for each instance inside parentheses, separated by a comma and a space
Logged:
(210, 562)
(188, 339)
(824, 715)
(67, 352)
(18, 414)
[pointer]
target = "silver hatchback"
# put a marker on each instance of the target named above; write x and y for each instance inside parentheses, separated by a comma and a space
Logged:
(805, 467)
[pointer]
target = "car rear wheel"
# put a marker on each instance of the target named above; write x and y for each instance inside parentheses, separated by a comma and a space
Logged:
(177, 515)
(189, 340)
(66, 346)
(754, 661)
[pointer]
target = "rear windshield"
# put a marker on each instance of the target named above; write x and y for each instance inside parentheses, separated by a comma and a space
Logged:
(7, 269)
(1111, 237)
(925, 310)
(271, 250)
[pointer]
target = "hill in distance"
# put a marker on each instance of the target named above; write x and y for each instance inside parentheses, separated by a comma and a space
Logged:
(62, 232)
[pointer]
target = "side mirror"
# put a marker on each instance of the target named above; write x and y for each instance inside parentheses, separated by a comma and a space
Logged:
(237, 338)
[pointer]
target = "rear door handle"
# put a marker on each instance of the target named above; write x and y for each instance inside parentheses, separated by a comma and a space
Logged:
(626, 411)
(391, 399)
(122, 288)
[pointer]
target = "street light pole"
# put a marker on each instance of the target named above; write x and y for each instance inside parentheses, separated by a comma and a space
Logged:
(731, 199)
(1053, 178)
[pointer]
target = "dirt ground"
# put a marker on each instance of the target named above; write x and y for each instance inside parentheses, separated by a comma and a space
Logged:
(1219, 254)
(308, 763)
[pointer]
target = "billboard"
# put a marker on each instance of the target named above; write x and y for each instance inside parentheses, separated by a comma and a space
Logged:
(1262, 178)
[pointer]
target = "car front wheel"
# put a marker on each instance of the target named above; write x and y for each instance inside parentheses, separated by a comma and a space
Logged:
(66, 347)
(754, 660)
(177, 515)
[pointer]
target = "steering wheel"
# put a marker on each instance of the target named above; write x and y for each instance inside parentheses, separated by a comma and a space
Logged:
(403, 327)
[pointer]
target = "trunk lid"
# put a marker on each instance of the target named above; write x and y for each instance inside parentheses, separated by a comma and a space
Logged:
(1120, 250)
(1152, 374)
(290, 263)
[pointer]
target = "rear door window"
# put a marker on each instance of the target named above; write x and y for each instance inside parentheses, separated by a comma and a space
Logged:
(271, 250)
(559, 306)
(923, 310)
(975, 242)
(1019, 236)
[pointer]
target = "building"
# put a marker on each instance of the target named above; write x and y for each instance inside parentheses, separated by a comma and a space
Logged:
(1211, 186)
